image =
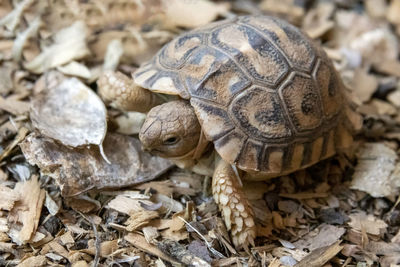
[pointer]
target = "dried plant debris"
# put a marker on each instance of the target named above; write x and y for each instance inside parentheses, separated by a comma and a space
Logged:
(82, 169)
(63, 204)
(377, 160)
(70, 113)
(69, 44)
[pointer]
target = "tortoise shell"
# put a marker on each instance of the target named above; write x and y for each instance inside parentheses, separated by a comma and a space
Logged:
(264, 93)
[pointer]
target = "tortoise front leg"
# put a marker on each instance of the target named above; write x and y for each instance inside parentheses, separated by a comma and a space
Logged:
(234, 205)
(121, 92)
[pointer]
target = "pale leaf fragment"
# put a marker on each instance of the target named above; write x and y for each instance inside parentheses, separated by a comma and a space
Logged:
(23, 37)
(320, 256)
(8, 197)
(376, 162)
(71, 113)
(13, 106)
(130, 122)
(6, 77)
(393, 13)
(192, 13)
(81, 169)
(26, 211)
(141, 243)
(34, 261)
(3, 225)
(324, 235)
(375, 45)
(151, 234)
(376, 8)
(106, 248)
(361, 221)
(140, 219)
(12, 19)
(394, 97)
(52, 206)
(127, 205)
(113, 55)
(75, 69)
(364, 85)
(70, 44)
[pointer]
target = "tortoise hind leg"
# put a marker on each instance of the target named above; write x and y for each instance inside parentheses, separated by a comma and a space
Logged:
(234, 205)
(122, 93)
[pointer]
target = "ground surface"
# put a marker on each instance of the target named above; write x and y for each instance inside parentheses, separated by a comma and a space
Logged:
(61, 203)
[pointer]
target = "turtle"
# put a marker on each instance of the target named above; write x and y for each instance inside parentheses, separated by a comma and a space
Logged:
(256, 89)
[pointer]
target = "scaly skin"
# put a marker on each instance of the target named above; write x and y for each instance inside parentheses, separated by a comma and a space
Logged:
(234, 205)
(122, 93)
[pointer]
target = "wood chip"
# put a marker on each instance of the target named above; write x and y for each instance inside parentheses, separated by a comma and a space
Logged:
(34, 261)
(26, 212)
(139, 219)
(8, 197)
(320, 256)
(141, 243)
(323, 236)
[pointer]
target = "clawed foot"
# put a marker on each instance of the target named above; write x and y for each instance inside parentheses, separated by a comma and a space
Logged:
(234, 205)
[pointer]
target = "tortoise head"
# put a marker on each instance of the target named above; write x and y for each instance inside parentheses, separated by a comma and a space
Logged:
(171, 130)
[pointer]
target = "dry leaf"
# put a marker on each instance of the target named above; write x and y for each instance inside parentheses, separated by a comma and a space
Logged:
(140, 219)
(393, 12)
(81, 169)
(394, 97)
(106, 248)
(141, 243)
(130, 122)
(6, 82)
(36, 261)
(360, 221)
(376, 162)
(364, 85)
(8, 197)
(75, 69)
(324, 235)
(192, 13)
(71, 113)
(127, 205)
(70, 44)
(25, 214)
(15, 107)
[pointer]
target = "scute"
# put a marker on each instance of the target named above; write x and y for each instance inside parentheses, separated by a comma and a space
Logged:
(260, 115)
(174, 54)
(294, 45)
(213, 76)
(330, 88)
(259, 57)
(302, 102)
(266, 96)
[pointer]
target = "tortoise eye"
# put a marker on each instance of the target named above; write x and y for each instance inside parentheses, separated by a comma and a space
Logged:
(171, 140)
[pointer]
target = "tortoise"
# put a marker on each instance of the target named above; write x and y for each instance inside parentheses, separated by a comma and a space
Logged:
(256, 88)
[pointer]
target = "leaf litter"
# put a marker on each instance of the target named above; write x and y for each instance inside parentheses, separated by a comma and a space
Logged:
(341, 212)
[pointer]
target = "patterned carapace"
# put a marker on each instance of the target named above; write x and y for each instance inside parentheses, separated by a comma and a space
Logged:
(264, 93)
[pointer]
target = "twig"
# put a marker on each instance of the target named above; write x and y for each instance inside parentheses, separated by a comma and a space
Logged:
(97, 244)
(214, 251)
